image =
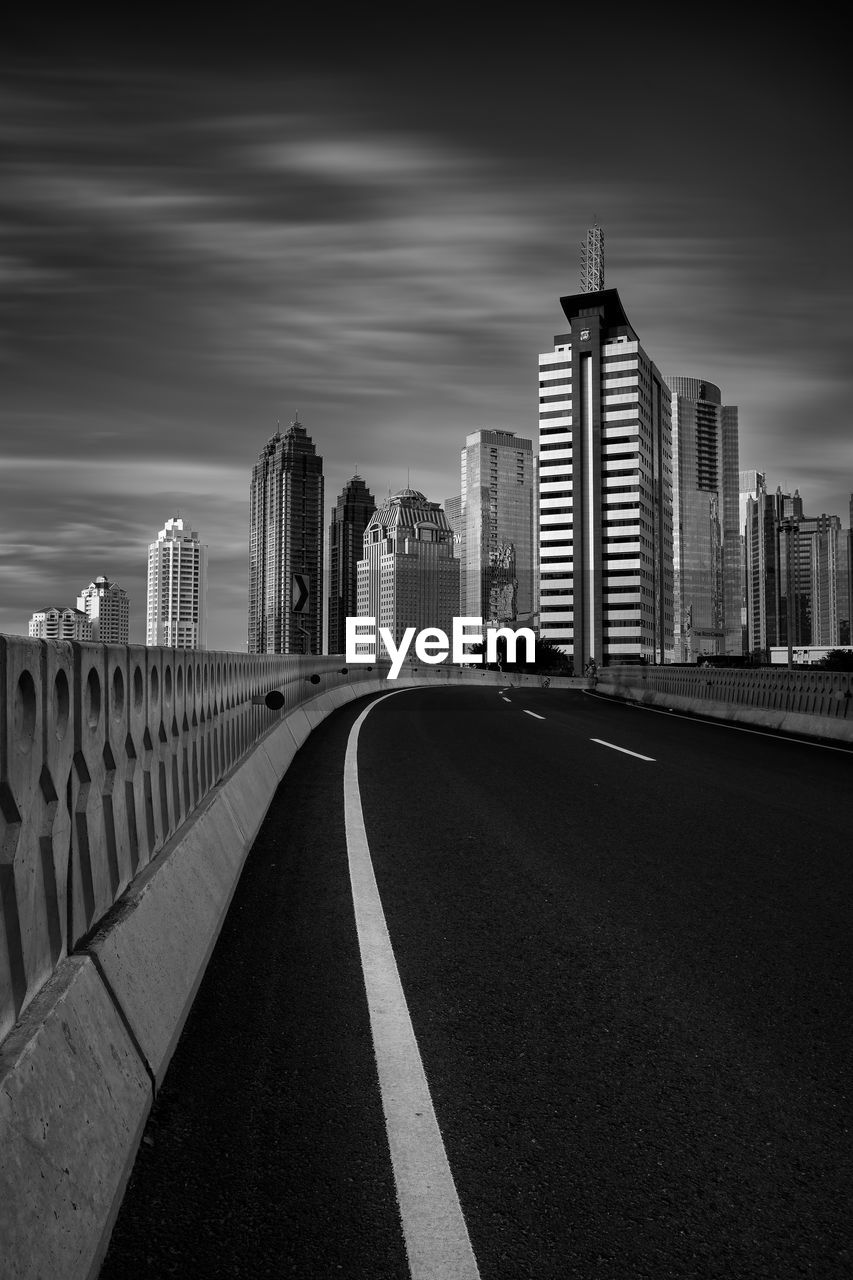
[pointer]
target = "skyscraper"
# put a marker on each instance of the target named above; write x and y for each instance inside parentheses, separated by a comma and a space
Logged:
(498, 527)
(408, 575)
(845, 581)
(707, 556)
(176, 615)
(605, 489)
(286, 539)
(761, 564)
(108, 609)
(350, 517)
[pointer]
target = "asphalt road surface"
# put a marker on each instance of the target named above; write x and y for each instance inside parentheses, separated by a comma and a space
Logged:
(624, 942)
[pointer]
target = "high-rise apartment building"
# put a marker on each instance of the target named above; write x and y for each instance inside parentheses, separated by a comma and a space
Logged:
(350, 517)
(605, 490)
(286, 545)
(58, 622)
(176, 615)
(706, 538)
(107, 607)
(498, 528)
(408, 576)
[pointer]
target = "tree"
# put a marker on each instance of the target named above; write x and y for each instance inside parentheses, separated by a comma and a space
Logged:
(546, 658)
(837, 660)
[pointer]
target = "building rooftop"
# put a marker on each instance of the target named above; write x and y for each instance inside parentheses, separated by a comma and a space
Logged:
(605, 303)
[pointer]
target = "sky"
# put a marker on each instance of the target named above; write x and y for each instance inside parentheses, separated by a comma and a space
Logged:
(205, 231)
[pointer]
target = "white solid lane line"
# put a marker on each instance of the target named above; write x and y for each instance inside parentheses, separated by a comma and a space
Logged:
(532, 713)
(437, 1241)
(613, 747)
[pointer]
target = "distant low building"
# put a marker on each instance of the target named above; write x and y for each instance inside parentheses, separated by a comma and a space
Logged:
(60, 623)
(107, 607)
(808, 655)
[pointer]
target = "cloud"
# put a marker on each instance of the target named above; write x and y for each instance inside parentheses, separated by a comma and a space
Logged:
(188, 258)
(356, 159)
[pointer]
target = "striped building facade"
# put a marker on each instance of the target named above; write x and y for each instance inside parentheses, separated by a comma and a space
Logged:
(605, 490)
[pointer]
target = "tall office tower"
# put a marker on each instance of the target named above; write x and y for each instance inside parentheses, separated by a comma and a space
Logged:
(592, 261)
(845, 582)
(706, 539)
(408, 576)
(286, 539)
(605, 490)
(177, 589)
(350, 517)
(827, 540)
(60, 623)
(749, 483)
(453, 511)
(815, 578)
(794, 564)
(498, 530)
(107, 607)
(761, 564)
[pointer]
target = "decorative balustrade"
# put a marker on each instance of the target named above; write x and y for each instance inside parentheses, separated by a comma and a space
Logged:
(105, 750)
(807, 691)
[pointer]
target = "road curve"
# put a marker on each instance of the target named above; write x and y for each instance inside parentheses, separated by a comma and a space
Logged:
(624, 943)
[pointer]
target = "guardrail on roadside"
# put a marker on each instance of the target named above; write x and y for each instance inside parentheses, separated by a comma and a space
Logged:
(105, 751)
(807, 701)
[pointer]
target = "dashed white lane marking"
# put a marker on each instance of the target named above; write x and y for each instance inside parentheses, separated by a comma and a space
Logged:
(505, 699)
(532, 713)
(613, 747)
(722, 724)
(437, 1241)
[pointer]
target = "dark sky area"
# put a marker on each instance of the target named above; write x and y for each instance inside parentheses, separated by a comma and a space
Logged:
(207, 230)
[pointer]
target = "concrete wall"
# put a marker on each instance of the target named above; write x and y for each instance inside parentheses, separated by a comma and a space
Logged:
(811, 703)
(132, 785)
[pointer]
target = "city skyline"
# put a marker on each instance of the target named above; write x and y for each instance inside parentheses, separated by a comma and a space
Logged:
(201, 245)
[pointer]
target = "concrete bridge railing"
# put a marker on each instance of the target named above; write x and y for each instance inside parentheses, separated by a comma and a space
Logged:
(812, 702)
(105, 751)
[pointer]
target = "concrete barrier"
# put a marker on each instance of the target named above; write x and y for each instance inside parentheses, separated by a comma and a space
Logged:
(815, 704)
(140, 778)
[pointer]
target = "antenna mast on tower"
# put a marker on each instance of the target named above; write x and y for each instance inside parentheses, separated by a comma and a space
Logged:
(592, 260)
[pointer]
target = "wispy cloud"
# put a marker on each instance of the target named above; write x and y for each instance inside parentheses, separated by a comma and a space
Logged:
(188, 258)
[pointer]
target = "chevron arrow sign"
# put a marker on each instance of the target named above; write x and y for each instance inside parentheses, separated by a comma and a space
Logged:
(300, 594)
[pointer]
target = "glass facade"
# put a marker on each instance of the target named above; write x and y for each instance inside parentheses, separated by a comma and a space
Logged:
(497, 528)
(286, 538)
(707, 555)
(350, 517)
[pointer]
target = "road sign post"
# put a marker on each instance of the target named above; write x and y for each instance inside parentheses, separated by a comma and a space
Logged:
(300, 600)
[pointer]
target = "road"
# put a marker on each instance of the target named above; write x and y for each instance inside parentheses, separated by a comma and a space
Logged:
(623, 939)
